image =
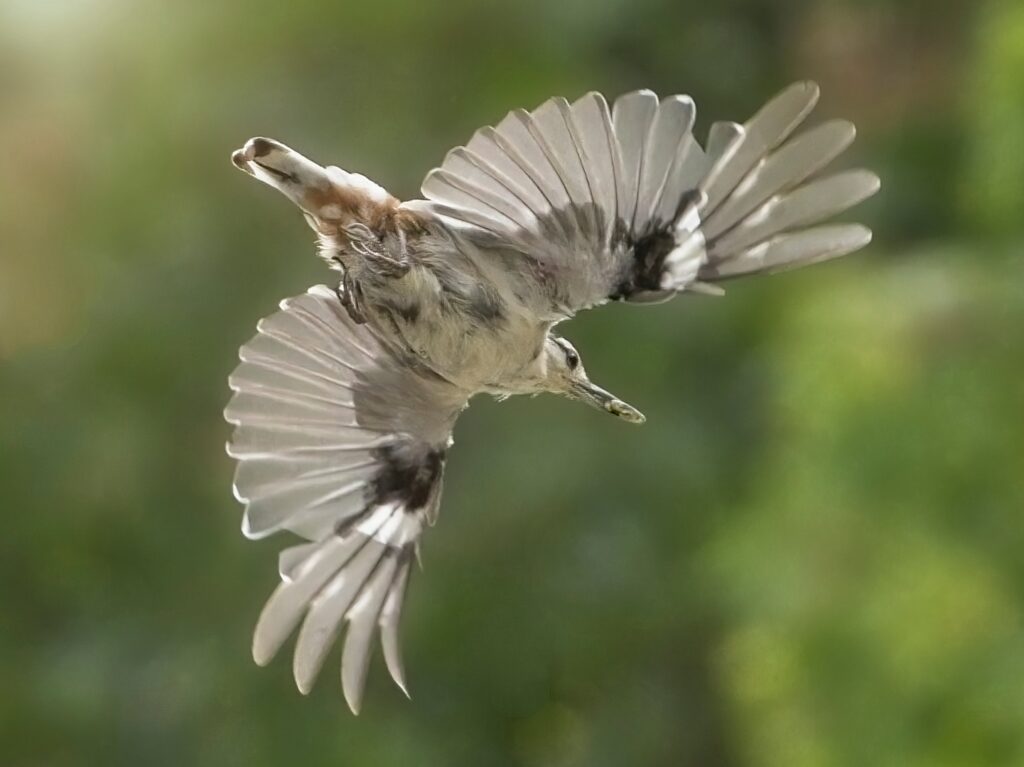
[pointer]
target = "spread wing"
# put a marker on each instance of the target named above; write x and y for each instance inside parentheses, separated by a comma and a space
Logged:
(342, 443)
(576, 204)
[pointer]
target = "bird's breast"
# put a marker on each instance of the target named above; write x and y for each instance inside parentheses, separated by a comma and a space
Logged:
(460, 328)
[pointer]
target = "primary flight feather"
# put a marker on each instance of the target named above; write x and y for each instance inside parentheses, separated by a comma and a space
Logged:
(345, 399)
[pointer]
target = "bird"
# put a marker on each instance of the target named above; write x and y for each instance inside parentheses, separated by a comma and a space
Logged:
(344, 402)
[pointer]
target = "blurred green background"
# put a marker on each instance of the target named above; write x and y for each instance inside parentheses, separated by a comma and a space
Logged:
(810, 556)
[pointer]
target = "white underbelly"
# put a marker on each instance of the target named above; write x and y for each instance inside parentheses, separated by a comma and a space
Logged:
(478, 349)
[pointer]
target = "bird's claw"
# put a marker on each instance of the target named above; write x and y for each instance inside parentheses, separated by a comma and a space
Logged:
(388, 266)
(346, 293)
(372, 248)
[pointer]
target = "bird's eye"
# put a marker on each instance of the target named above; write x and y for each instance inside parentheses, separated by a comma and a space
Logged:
(572, 359)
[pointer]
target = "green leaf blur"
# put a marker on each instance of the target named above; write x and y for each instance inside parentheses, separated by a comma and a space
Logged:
(810, 556)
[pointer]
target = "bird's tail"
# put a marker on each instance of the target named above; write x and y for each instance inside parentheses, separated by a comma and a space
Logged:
(330, 197)
(758, 207)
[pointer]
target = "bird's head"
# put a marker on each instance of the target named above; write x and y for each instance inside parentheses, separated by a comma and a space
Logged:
(330, 197)
(564, 374)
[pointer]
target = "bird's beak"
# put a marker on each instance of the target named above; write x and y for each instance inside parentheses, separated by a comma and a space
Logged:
(298, 178)
(595, 396)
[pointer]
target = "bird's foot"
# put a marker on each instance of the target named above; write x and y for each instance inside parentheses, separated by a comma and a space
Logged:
(346, 293)
(388, 266)
(389, 262)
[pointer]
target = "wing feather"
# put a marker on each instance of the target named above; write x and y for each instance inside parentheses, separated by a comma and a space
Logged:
(501, 192)
(362, 620)
(805, 205)
(327, 610)
(671, 126)
(789, 251)
(509, 172)
(288, 603)
(632, 115)
(687, 167)
(765, 131)
(624, 202)
(341, 442)
(792, 164)
(516, 138)
(722, 138)
(550, 128)
(459, 192)
(389, 618)
(590, 121)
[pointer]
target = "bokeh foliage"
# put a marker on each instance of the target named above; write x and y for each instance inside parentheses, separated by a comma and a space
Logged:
(809, 557)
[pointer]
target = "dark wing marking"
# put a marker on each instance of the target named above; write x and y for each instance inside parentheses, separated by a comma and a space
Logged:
(624, 203)
(343, 443)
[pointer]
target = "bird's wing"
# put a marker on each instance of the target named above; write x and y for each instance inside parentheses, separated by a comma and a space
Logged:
(624, 203)
(343, 443)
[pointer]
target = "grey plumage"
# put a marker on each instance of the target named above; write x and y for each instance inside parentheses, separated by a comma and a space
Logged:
(345, 400)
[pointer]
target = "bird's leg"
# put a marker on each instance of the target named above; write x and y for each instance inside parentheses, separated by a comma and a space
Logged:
(377, 256)
(346, 293)
(351, 301)
(366, 244)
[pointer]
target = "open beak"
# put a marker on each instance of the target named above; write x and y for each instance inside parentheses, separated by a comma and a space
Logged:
(595, 396)
(298, 178)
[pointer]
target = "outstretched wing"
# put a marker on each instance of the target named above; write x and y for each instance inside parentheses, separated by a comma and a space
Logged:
(577, 203)
(342, 443)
